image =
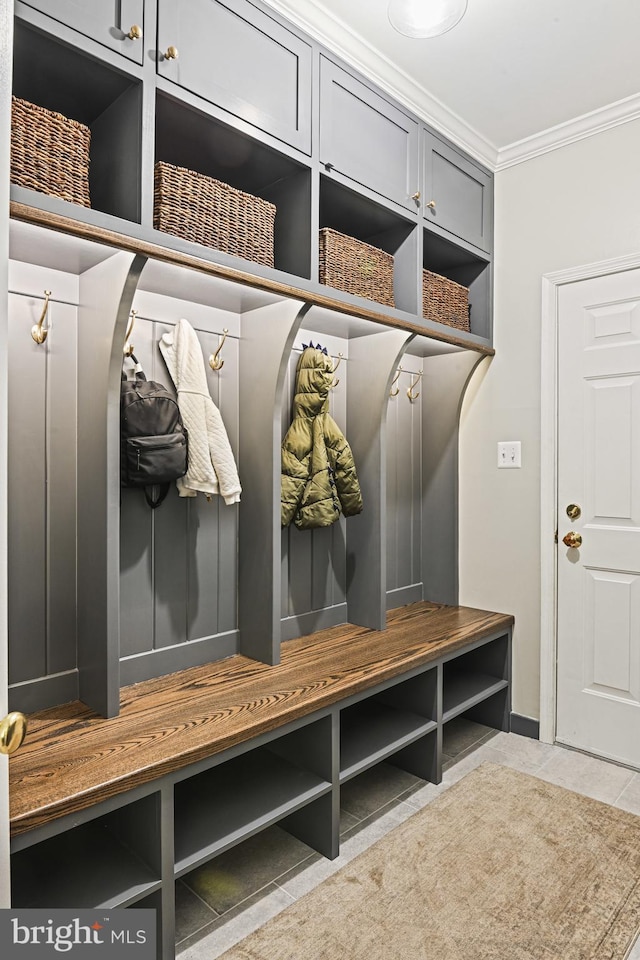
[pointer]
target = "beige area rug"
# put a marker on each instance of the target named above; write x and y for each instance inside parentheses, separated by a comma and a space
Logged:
(502, 866)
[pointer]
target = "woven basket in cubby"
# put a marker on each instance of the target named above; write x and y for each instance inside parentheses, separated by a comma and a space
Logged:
(445, 301)
(207, 211)
(356, 267)
(49, 152)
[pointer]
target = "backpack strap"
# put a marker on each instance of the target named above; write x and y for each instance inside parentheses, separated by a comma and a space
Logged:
(156, 494)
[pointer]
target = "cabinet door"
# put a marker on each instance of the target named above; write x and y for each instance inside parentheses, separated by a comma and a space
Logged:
(457, 195)
(108, 23)
(365, 138)
(236, 57)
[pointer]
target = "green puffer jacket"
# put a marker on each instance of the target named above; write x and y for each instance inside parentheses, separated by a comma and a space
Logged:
(318, 473)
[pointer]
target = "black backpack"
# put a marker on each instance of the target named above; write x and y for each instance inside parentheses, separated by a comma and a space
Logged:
(153, 438)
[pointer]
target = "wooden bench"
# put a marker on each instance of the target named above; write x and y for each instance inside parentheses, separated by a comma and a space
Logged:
(72, 759)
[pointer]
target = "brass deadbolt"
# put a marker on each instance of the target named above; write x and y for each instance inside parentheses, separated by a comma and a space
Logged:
(573, 511)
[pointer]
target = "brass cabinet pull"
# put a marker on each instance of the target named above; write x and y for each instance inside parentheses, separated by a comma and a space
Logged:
(572, 539)
(12, 732)
(135, 33)
(171, 53)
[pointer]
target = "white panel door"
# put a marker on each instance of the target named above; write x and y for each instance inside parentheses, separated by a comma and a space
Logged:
(598, 674)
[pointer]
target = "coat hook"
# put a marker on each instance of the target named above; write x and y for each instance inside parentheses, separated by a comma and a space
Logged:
(335, 367)
(214, 360)
(38, 332)
(413, 396)
(394, 393)
(128, 347)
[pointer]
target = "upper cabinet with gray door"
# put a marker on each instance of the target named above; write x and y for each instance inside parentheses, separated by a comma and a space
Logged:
(238, 58)
(119, 26)
(457, 194)
(367, 140)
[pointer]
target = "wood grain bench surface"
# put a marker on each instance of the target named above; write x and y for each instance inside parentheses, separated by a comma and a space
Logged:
(72, 759)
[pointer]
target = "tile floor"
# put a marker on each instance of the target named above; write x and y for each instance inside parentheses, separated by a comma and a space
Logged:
(221, 902)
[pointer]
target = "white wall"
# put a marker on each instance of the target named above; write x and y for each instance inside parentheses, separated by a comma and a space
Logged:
(576, 205)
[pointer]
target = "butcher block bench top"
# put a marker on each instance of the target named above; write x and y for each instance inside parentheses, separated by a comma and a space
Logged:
(71, 758)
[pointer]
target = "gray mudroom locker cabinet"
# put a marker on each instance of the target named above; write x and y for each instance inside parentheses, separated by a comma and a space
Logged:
(233, 652)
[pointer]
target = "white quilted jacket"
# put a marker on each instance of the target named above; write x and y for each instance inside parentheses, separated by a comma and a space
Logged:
(212, 467)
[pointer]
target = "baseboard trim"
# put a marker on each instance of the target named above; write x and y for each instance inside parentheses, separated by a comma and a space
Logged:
(44, 692)
(525, 726)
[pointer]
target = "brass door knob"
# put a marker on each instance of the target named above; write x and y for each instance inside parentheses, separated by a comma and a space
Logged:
(572, 539)
(171, 53)
(12, 732)
(135, 33)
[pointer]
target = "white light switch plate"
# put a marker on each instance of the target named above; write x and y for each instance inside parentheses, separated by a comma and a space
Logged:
(509, 454)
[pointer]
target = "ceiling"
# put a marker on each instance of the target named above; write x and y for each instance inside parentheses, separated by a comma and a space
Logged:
(514, 77)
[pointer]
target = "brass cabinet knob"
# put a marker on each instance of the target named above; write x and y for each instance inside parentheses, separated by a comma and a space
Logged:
(12, 732)
(431, 204)
(415, 196)
(135, 33)
(572, 539)
(171, 53)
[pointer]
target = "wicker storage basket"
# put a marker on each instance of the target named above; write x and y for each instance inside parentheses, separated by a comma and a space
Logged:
(445, 301)
(356, 267)
(198, 208)
(49, 152)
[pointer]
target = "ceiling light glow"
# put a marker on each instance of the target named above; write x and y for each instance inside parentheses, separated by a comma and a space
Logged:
(421, 19)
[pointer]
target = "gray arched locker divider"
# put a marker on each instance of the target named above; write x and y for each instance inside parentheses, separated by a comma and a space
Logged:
(106, 295)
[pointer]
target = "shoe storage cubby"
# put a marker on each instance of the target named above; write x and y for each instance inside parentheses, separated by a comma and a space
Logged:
(111, 861)
(228, 803)
(382, 726)
(472, 681)
(64, 79)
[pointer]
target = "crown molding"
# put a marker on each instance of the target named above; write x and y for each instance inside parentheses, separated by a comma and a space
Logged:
(340, 39)
(587, 125)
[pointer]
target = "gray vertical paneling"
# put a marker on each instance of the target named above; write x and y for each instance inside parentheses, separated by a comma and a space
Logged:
(136, 538)
(205, 521)
(26, 493)
(225, 386)
(394, 409)
(170, 541)
(406, 504)
(179, 562)
(336, 570)
(61, 445)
